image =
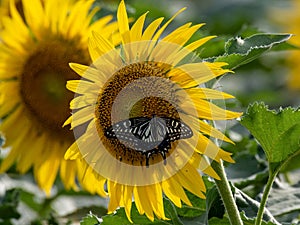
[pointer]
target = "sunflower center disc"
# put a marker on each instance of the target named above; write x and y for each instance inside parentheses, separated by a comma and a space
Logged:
(138, 91)
(43, 84)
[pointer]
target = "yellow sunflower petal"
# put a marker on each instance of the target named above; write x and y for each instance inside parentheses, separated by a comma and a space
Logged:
(208, 148)
(82, 87)
(82, 101)
(173, 189)
(142, 201)
(68, 172)
(191, 75)
(14, 153)
(88, 72)
(127, 198)
(217, 69)
(115, 192)
(72, 152)
(166, 186)
(123, 22)
(34, 20)
(213, 132)
(207, 93)
(181, 35)
(137, 28)
(89, 180)
(102, 43)
(156, 200)
(33, 146)
(203, 164)
(161, 30)
(82, 116)
(209, 111)
(188, 176)
(196, 44)
(188, 50)
(151, 28)
(46, 170)
(9, 98)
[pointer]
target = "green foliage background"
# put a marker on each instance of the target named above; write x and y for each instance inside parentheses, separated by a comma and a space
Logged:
(260, 75)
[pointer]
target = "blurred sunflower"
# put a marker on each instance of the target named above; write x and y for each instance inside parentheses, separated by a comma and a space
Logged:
(35, 50)
(145, 115)
(4, 8)
(294, 18)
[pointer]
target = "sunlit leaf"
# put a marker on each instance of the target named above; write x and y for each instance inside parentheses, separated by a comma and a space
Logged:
(90, 219)
(277, 132)
(258, 41)
(240, 51)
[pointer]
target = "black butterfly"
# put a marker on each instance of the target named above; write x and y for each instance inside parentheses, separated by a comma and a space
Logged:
(149, 135)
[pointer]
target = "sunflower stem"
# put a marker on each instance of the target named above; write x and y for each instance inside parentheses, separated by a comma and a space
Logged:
(226, 194)
(264, 198)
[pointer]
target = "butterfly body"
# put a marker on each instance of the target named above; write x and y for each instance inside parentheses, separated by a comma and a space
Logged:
(149, 135)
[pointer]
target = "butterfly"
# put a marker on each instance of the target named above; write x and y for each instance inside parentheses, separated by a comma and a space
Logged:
(149, 135)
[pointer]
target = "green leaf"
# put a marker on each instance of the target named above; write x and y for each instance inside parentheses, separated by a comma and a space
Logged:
(214, 203)
(284, 201)
(294, 163)
(119, 217)
(240, 51)
(277, 132)
(202, 209)
(245, 219)
(250, 206)
(258, 41)
(90, 219)
(8, 206)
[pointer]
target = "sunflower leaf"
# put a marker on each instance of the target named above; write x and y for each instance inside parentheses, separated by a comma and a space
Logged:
(214, 205)
(284, 202)
(250, 206)
(277, 132)
(119, 217)
(8, 206)
(240, 51)
(245, 219)
(244, 46)
(90, 219)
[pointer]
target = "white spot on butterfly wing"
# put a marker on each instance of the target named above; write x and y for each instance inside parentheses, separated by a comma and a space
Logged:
(150, 135)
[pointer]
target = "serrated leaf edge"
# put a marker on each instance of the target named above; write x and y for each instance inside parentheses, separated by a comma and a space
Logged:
(239, 39)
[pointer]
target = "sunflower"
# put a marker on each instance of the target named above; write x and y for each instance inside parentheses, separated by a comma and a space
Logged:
(4, 8)
(142, 116)
(294, 78)
(35, 50)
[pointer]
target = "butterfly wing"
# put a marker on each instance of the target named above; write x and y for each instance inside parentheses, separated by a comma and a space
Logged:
(149, 135)
(121, 130)
(140, 127)
(177, 129)
(132, 131)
